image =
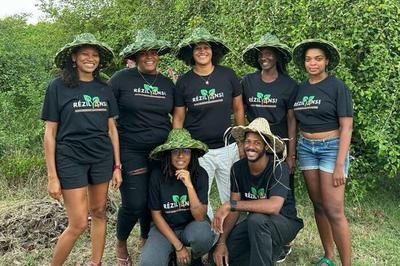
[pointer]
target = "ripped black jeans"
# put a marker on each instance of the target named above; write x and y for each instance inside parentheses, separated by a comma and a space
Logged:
(136, 168)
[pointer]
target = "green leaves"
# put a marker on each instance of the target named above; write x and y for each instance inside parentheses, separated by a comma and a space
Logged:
(87, 99)
(175, 198)
(150, 89)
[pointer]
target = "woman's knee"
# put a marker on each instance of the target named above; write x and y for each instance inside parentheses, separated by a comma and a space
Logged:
(99, 212)
(318, 208)
(77, 227)
(334, 212)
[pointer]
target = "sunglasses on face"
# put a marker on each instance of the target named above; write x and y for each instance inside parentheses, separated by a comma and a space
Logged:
(179, 151)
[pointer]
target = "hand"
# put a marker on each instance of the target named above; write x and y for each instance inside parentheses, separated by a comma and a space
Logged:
(184, 176)
(219, 217)
(221, 255)
(116, 179)
(291, 162)
(54, 188)
(338, 176)
(183, 256)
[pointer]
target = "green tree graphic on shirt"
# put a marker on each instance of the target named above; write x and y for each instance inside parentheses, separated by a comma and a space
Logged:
(263, 97)
(179, 200)
(259, 194)
(307, 100)
(92, 101)
(208, 93)
(150, 89)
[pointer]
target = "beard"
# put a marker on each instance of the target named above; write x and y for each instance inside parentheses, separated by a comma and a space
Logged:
(254, 159)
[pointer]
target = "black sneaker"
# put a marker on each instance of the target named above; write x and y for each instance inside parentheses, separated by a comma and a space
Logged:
(286, 250)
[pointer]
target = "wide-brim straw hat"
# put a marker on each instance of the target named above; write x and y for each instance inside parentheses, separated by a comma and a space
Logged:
(106, 53)
(199, 35)
(250, 54)
(145, 40)
(331, 51)
(261, 126)
(179, 138)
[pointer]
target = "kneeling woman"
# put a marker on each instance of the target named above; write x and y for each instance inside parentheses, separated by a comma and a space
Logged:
(81, 142)
(178, 198)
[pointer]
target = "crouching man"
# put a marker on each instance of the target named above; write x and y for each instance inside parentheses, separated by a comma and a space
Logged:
(259, 188)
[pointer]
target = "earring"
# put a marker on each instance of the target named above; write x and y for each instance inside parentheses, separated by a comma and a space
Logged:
(73, 64)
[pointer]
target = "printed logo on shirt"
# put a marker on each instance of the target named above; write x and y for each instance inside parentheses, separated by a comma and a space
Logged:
(179, 203)
(208, 96)
(263, 100)
(90, 104)
(308, 102)
(149, 91)
(255, 194)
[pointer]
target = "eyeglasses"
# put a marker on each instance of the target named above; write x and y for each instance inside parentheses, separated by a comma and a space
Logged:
(176, 152)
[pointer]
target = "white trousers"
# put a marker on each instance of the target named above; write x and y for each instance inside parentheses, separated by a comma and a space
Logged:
(218, 163)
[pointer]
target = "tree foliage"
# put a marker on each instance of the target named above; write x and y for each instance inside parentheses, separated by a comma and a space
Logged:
(366, 32)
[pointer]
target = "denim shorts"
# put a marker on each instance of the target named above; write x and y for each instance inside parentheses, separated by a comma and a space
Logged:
(319, 154)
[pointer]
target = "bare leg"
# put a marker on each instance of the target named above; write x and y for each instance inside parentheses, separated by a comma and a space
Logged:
(313, 183)
(76, 206)
(97, 205)
(333, 202)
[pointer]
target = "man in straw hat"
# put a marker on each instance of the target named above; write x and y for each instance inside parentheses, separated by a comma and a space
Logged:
(259, 187)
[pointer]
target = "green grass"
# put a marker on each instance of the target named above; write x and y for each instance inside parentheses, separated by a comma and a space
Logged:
(374, 224)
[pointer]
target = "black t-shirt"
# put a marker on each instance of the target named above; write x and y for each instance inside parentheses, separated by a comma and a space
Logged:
(82, 114)
(144, 120)
(208, 106)
(318, 106)
(269, 100)
(265, 185)
(172, 199)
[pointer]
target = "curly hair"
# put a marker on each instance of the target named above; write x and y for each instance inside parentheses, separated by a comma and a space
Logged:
(169, 170)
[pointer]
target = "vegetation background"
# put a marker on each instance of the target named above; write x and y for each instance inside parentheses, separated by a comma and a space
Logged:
(367, 33)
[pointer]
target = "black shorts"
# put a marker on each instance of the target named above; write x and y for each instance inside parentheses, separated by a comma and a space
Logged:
(73, 174)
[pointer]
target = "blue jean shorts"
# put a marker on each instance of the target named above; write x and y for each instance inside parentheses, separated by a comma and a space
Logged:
(319, 154)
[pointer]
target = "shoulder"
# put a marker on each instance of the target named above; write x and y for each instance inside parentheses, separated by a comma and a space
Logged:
(55, 84)
(240, 165)
(281, 170)
(126, 72)
(337, 82)
(182, 79)
(287, 79)
(166, 80)
(251, 76)
(225, 70)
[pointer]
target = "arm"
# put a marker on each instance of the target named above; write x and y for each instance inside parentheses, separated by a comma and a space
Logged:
(178, 116)
(238, 110)
(165, 229)
(291, 157)
(345, 131)
(197, 208)
(113, 133)
(221, 251)
(53, 184)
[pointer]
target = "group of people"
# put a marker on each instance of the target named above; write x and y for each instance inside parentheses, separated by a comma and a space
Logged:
(162, 143)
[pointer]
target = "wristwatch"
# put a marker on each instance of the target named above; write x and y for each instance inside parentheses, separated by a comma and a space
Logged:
(233, 204)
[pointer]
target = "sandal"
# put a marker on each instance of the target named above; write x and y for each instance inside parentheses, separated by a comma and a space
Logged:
(124, 262)
(326, 261)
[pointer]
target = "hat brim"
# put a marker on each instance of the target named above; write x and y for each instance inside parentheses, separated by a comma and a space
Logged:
(185, 50)
(159, 151)
(250, 55)
(239, 134)
(106, 53)
(329, 48)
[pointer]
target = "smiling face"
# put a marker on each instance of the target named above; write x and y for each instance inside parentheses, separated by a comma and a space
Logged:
(267, 59)
(315, 61)
(202, 54)
(147, 61)
(254, 147)
(87, 59)
(180, 158)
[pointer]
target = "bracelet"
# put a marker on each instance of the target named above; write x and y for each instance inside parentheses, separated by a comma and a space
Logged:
(233, 204)
(180, 248)
(117, 166)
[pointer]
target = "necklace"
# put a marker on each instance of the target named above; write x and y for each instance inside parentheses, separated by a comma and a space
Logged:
(206, 81)
(145, 80)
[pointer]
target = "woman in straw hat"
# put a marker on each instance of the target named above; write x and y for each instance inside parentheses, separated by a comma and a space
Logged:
(269, 93)
(205, 97)
(323, 108)
(178, 198)
(145, 100)
(81, 142)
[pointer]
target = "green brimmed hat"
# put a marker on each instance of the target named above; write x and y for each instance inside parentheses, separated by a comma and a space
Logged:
(250, 54)
(146, 39)
(105, 51)
(179, 138)
(329, 48)
(185, 47)
(261, 126)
